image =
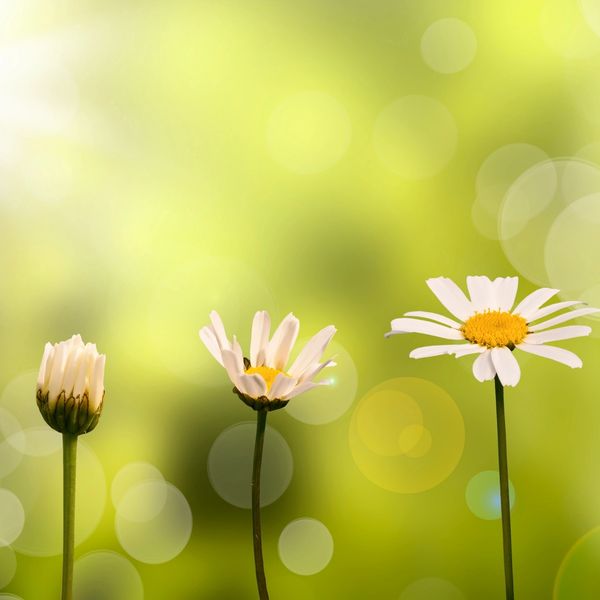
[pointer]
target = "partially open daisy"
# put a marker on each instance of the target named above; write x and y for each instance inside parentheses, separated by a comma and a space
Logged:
(489, 326)
(262, 380)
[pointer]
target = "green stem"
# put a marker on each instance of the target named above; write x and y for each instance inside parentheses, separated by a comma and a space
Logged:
(69, 470)
(261, 582)
(504, 493)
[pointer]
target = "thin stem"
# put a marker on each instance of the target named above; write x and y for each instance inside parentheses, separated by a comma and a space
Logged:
(69, 470)
(504, 494)
(261, 581)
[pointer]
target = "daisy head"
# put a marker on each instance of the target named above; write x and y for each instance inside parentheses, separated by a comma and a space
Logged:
(486, 324)
(263, 380)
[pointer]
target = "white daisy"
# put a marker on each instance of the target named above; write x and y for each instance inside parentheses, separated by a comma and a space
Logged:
(262, 380)
(490, 327)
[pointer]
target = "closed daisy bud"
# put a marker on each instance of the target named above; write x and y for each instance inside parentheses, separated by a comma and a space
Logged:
(70, 386)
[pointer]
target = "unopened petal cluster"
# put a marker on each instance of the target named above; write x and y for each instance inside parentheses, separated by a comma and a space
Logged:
(487, 325)
(263, 379)
(70, 386)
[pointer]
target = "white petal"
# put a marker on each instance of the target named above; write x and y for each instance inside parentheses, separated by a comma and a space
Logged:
(404, 325)
(261, 327)
(43, 375)
(311, 372)
(451, 296)
(280, 346)
(433, 317)
(554, 335)
(58, 371)
(71, 371)
(506, 366)
(558, 354)
(281, 386)
(81, 381)
(303, 387)
(209, 338)
(457, 349)
(252, 385)
(239, 355)
(505, 289)
(580, 312)
(531, 304)
(480, 291)
(219, 330)
(483, 368)
(312, 351)
(97, 388)
(231, 364)
(551, 308)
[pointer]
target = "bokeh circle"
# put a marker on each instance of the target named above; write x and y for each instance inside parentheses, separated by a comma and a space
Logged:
(128, 477)
(105, 575)
(8, 565)
(578, 576)
(327, 403)
(230, 465)
(407, 435)
(415, 137)
(12, 517)
(431, 588)
(305, 546)
(448, 45)
(483, 495)
(161, 529)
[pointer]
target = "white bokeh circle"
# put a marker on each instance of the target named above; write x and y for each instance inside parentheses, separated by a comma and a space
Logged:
(305, 546)
(106, 575)
(448, 45)
(162, 529)
(230, 465)
(128, 477)
(308, 132)
(483, 495)
(415, 137)
(326, 403)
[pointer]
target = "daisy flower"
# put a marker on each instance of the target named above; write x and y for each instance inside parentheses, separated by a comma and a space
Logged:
(487, 325)
(262, 380)
(265, 383)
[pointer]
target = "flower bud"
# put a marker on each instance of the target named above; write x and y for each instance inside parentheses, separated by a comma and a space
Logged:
(70, 386)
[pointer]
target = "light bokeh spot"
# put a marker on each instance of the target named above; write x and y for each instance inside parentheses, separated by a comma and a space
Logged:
(10, 456)
(415, 137)
(531, 206)
(431, 588)
(483, 495)
(128, 477)
(12, 517)
(325, 404)
(166, 532)
(230, 465)
(448, 45)
(104, 575)
(305, 546)
(407, 435)
(8, 565)
(309, 132)
(578, 576)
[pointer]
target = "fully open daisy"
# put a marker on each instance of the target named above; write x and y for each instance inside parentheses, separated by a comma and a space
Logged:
(488, 325)
(262, 379)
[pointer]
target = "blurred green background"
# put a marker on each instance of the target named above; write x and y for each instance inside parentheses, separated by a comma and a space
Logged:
(161, 159)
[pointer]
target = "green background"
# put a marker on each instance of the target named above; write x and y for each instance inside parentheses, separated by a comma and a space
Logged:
(161, 159)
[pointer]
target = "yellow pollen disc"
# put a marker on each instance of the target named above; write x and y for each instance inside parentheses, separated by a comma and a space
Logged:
(267, 373)
(494, 328)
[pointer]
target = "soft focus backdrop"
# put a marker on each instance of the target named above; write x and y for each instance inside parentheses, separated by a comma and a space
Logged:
(161, 159)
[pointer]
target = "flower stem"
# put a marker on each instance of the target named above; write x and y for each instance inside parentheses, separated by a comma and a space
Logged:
(504, 493)
(69, 469)
(261, 582)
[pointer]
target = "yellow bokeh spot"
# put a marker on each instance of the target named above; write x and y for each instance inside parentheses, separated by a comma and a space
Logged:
(267, 373)
(494, 328)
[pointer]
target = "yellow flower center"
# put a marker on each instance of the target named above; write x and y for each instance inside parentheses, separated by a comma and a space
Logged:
(267, 373)
(494, 328)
